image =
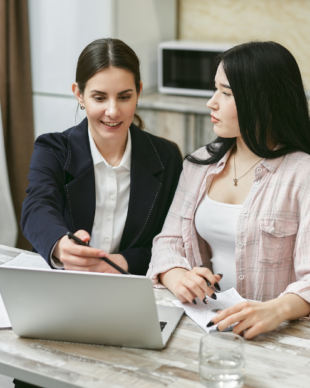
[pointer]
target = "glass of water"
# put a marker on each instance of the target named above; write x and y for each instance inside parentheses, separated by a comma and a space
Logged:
(221, 360)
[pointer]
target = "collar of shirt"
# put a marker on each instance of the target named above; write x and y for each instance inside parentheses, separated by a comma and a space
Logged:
(98, 158)
(270, 164)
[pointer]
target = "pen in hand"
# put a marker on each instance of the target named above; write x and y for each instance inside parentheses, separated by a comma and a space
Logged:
(215, 288)
(72, 237)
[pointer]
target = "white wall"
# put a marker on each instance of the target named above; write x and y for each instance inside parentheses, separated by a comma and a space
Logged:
(59, 31)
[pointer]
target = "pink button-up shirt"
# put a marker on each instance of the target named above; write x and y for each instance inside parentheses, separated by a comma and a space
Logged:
(273, 231)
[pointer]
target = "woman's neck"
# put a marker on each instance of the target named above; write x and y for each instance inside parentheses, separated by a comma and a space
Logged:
(112, 150)
(242, 152)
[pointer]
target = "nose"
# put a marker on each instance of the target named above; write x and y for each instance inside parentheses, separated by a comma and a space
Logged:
(213, 103)
(112, 109)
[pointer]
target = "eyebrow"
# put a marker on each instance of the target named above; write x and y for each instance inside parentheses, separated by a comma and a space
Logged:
(99, 92)
(226, 86)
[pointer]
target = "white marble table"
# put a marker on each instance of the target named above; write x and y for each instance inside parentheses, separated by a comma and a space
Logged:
(278, 359)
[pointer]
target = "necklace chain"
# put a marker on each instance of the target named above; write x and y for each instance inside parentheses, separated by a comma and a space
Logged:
(116, 161)
(237, 179)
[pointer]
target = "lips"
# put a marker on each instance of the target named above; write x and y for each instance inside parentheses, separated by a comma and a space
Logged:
(111, 124)
(214, 119)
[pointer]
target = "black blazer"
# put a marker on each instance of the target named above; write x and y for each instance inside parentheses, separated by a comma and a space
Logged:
(61, 191)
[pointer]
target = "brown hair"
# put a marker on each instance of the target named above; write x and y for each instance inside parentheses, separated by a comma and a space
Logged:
(103, 53)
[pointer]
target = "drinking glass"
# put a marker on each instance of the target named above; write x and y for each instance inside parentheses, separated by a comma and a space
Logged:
(221, 360)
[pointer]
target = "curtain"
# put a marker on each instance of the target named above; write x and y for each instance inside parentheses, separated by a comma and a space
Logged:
(8, 225)
(16, 100)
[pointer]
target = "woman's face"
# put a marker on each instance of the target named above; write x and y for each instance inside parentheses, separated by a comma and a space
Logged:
(223, 107)
(110, 98)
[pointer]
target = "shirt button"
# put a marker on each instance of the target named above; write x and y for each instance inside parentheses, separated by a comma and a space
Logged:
(259, 170)
(241, 277)
(107, 240)
(109, 217)
(240, 245)
(112, 196)
(244, 211)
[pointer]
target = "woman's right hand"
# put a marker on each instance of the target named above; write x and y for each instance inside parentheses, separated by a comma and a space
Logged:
(188, 285)
(77, 257)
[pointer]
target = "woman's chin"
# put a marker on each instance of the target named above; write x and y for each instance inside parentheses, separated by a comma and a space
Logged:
(226, 134)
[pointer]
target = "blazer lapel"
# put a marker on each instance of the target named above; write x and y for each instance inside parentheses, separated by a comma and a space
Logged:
(144, 186)
(80, 191)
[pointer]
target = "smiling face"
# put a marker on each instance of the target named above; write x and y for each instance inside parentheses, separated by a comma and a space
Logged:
(110, 99)
(223, 107)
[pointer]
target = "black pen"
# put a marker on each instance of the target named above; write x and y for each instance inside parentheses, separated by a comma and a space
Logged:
(215, 288)
(71, 236)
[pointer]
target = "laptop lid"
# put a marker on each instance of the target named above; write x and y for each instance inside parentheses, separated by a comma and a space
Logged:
(106, 309)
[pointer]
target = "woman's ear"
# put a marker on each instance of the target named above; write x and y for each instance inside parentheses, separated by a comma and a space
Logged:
(141, 85)
(78, 94)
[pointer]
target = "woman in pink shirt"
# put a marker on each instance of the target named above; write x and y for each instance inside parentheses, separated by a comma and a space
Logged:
(241, 213)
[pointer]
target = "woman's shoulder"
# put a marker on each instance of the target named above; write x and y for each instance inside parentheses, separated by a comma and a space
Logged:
(296, 166)
(56, 140)
(55, 146)
(60, 141)
(299, 157)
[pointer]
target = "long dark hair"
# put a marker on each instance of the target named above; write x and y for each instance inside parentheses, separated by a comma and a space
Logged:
(103, 53)
(270, 101)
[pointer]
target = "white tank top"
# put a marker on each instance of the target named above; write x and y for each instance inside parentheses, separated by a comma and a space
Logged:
(216, 222)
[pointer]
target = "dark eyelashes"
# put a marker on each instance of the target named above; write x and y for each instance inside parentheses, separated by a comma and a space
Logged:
(226, 94)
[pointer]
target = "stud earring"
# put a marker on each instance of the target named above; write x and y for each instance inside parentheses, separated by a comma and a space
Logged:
(137, 102)
(82, 107)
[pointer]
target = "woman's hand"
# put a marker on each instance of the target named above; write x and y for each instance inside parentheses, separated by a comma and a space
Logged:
(260, 317)
(80, 258)
(187, 285)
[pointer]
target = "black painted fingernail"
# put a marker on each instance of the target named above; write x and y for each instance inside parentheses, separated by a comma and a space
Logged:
(194, 301)
(211, 323)
(208, 283)
(220, 274)
(205, 301)
(217, 286)
(213, 296)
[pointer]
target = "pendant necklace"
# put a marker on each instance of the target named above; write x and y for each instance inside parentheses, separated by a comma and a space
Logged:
(235, 181)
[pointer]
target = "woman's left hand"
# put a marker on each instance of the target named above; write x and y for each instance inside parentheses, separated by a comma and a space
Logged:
(254, 317)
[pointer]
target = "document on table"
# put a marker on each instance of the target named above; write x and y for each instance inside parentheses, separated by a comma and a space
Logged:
(202, 313)
(21, 261)
(28, 261)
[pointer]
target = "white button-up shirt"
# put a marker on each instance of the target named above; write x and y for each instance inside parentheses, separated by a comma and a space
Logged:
(112, 198)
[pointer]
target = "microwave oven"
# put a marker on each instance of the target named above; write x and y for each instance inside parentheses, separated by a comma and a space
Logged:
(188, 68)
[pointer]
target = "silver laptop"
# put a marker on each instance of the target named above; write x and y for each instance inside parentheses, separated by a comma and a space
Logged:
(84, 307)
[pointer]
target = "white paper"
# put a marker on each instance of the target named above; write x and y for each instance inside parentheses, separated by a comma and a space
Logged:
(202, 313)
(24, 260)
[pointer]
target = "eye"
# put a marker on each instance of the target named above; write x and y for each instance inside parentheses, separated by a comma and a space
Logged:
(226, 94)
(99, 98)
(124, 98)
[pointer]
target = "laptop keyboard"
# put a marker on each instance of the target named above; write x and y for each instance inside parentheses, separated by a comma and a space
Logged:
(162, 325)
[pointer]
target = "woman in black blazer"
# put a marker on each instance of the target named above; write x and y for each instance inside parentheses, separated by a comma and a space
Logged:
(62, 186)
